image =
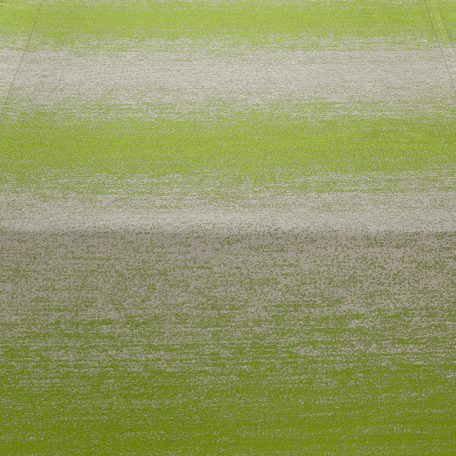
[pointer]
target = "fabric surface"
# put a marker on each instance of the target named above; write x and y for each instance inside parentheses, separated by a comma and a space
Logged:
(227, 227)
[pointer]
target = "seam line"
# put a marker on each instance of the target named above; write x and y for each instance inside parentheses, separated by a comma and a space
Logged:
(450, 76)
(21, 61)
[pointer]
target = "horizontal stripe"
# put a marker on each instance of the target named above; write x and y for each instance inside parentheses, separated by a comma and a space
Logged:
(193, 79)
(257, 145)
(353, 211)
(68, 22)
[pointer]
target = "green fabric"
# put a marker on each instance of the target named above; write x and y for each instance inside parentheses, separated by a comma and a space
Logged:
(227, 227)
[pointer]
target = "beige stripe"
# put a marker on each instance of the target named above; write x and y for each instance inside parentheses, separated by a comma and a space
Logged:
(193, 78)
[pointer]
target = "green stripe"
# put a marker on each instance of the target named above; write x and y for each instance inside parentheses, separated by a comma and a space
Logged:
(257, 22)
(261, 145)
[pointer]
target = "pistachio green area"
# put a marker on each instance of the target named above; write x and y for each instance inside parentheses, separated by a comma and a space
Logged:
(262, 146)
(67, 22)
(157, 335)
(443, 13)
(249, 343)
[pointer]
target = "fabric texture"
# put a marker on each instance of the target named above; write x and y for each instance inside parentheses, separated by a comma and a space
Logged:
(227, 227)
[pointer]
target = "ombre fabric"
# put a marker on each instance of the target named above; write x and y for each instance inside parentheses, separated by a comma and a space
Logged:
(227, 227)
